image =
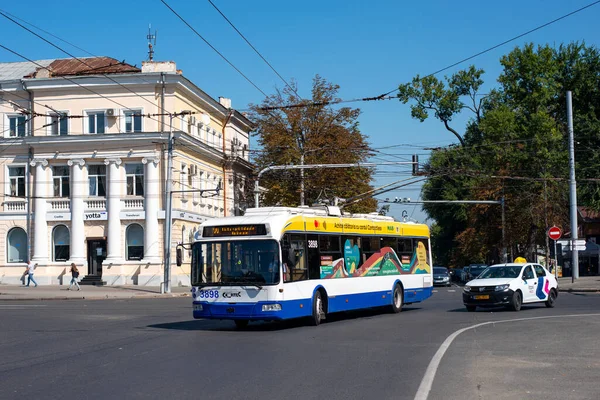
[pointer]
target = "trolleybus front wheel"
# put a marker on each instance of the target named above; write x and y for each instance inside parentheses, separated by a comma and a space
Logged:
(318, 311)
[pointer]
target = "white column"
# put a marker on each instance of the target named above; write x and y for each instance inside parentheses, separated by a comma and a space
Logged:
(40, 225)
(77, 194)
(113, 206)
(151, 193)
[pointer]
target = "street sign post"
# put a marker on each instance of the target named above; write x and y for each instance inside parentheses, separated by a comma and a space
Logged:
(555, 233)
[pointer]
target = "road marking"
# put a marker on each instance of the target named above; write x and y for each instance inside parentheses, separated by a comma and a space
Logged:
(451, 290)
(427, 381)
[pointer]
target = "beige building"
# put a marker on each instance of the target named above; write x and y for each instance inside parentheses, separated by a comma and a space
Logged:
(83, 160)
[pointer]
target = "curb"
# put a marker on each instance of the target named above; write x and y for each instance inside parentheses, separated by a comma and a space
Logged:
(106, 297)
(581, 290)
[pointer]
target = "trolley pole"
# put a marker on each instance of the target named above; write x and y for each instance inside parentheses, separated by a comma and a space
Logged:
(313, 166)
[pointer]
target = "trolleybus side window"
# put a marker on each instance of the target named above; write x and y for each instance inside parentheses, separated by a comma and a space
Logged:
(405, 250)
(293, 254)
(329, 246)
(353, 256)
(370, 245)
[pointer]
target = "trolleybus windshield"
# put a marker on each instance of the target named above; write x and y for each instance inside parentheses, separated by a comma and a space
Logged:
(235, 262)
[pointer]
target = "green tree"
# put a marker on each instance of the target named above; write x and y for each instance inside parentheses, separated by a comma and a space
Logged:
(314, 133)
(515, 147)
(444, 99)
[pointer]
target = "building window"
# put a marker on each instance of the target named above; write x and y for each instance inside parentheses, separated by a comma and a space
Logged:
(17, 245)
(97, 180)
(60, 179)
(16, 176)
(135, 242)
(96, 122)
(17, 125)
(133, 121)
(135, 179)
(61, 240)
(59, 124)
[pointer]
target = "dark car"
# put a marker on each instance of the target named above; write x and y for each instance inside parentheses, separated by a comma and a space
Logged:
(455, 274)
(475, 270)
(441, 277)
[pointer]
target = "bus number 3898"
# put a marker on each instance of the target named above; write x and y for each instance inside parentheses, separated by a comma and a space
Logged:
(208, 294)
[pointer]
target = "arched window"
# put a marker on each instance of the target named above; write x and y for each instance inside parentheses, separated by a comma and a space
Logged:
(135, 242)
(17, 245)
(61, 240)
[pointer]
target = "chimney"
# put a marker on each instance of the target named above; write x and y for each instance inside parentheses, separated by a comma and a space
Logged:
(158, 66)
(225, 102)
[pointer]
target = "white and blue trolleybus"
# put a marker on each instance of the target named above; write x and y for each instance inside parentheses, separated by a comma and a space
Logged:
(279, 263)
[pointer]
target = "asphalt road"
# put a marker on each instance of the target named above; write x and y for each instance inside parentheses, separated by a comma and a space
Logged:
(152, 349)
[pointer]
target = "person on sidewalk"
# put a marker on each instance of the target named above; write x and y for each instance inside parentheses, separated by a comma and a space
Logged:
(74, 276)
(30, 268)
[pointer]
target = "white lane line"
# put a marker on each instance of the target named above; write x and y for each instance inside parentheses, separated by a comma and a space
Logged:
(427, 381)
(451, 290)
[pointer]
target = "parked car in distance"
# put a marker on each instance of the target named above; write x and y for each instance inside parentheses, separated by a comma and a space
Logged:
(454, 274)
(464, 274)
(475, 270)
(441, 277)
(511, 285)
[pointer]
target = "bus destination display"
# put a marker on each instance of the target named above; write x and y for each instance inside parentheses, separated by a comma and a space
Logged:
(235, 230)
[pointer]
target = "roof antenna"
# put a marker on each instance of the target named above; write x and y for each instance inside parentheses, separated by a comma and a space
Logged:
(151, 38)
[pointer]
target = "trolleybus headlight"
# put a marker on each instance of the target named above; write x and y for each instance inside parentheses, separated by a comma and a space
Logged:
(271, 307)
(197, 307)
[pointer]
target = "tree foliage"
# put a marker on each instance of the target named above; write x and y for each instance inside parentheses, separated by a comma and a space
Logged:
(321, 135)
(514, 147)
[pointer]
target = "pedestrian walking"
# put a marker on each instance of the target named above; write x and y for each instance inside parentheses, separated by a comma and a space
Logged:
(74, 276)
(30, 268)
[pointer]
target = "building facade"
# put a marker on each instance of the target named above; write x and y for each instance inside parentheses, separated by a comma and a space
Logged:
(83, 158)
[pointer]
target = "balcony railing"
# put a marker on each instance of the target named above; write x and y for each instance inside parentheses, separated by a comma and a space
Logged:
(95, 205)
(133, 204)
(15, 206)
(60, 204)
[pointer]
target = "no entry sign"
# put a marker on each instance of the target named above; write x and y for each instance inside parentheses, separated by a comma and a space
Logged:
(554, 233)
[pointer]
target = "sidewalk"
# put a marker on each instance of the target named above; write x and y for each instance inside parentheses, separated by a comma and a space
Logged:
(583, 284)
(57, 292)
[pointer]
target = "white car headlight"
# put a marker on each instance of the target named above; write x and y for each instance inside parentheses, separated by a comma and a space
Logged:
(501, 288)
(467, 288)
(271, 307)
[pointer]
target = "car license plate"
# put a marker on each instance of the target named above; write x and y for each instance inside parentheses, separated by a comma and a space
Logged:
(482, 297)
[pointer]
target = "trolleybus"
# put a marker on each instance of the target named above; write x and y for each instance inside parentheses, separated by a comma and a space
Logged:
(278, 263)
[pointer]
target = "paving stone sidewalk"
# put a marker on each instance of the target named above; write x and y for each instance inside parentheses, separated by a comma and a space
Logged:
(57, 292)
(582, 284)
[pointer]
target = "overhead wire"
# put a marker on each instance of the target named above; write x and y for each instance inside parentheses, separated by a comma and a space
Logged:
(386, 95)
(212, 47)
(254, 48)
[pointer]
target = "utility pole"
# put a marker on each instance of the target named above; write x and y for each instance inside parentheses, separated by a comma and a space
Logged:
(168, 212)
(302, 179)
(572, 192)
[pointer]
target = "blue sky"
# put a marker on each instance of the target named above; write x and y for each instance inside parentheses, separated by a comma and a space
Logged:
(367, 47)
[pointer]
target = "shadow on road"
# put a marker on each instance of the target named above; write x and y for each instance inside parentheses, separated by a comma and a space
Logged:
(265, 326)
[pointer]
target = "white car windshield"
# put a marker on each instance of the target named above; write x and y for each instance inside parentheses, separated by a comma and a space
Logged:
(500, 272)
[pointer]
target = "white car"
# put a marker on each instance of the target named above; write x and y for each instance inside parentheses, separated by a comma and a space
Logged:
(511, 285)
